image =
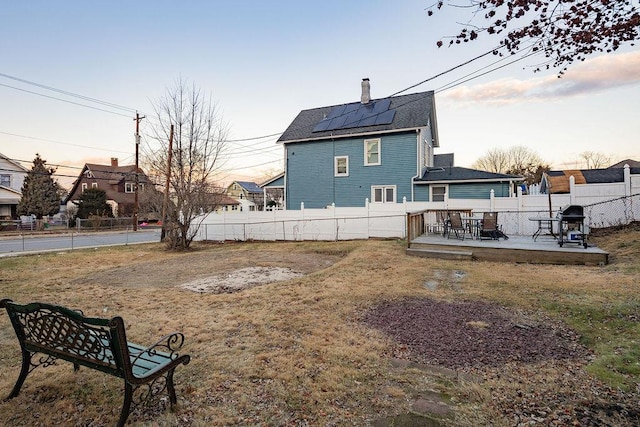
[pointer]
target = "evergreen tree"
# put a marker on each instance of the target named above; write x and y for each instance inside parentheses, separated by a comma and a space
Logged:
(93, 201)
(40, 193)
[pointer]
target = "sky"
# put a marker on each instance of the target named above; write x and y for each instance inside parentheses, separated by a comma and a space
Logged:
(73, 75)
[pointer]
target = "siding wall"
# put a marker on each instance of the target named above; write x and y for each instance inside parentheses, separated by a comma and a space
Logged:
(310, 171)
(478, 190)
(17, 177)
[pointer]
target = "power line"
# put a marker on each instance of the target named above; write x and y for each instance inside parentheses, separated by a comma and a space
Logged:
(65, 92)
(63, 100)
(457, 83)
(254, 138)
(446, 71)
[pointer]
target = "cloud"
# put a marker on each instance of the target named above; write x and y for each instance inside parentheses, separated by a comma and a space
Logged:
(593, 75)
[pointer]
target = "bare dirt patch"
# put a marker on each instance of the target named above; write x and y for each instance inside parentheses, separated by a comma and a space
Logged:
(238, 280)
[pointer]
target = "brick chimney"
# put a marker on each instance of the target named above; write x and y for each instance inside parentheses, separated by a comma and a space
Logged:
(114, 162)
(366, 91)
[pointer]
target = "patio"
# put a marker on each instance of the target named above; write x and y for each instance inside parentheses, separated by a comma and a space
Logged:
(520, 249)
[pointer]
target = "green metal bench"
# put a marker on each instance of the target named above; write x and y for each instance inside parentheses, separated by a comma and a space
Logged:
(101, 344)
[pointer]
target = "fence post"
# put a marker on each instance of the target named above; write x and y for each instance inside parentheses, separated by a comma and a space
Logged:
(627, 180)
(492, 201)
(572, 190)
(302, 221)
(224, 225)
(404, 218)
(520, 206)
(275, 226)
(367, 205)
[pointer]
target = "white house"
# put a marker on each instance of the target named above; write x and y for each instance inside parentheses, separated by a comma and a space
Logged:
(12, 176)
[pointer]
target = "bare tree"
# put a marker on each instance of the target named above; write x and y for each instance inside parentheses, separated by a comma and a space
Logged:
(517, 160)
(563, 30)
(199, 141)
(595, 160)
(496, 160)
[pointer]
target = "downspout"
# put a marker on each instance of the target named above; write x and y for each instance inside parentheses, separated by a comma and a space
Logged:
(286, 177)
(418, 168)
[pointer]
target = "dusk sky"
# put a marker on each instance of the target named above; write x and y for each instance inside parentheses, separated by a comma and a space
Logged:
(263, 62)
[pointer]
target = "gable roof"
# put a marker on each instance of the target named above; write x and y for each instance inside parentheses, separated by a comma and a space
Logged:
(14, 163)
(250, 186)
(558, 181)
(224, 200)
(108, 178)
(460, 174)
(393, 114)
(9, 196)
(630, 162)
(272, 179)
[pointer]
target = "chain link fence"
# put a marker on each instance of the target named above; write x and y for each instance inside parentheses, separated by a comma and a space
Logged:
(609, 213)
(100, 223)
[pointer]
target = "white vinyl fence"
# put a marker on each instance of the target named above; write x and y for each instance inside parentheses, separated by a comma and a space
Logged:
(390, 220)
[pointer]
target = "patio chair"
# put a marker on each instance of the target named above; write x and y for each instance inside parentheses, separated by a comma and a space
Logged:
(456, 225)
(490, 228)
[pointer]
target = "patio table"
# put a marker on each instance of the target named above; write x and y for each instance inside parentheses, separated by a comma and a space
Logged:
(544, 224)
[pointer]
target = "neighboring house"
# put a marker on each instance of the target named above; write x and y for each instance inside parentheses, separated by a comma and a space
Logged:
(558, 182)
(248, 193)
(376, 149)
(12, 176)
(118, 182)
(273, 189)
(225, 203)
(631, 163)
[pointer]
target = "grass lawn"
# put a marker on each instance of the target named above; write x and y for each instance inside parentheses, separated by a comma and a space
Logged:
(297, 352)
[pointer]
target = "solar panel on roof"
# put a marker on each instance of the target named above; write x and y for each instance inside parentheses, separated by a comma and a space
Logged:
(357, 115)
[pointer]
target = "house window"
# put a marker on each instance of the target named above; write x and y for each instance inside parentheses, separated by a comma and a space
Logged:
(5, 180)
(383, 193)
(438, 193)
(341, 166)
(129, 187)
(371, 152)
(94, 185)
(84, 186)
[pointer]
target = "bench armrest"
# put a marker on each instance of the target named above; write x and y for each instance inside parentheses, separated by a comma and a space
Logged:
(168, 344)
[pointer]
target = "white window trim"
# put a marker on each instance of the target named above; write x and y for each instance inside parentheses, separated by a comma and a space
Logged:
(131, 186)
(384, 189)
(446, 191)
(84, 186)
(335, 165)
(94, 185)
(366, 157)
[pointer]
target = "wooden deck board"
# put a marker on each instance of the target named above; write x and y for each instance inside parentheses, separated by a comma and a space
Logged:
(520, 249)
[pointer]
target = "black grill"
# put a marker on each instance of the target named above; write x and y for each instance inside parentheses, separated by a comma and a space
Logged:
(571, 225)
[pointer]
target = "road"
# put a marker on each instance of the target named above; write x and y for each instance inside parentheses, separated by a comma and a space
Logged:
(74, 240)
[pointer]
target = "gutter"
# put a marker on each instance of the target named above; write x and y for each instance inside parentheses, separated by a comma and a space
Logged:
(351, 135)
(468, 180)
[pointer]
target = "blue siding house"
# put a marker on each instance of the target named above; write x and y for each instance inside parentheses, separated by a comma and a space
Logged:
(376, 149)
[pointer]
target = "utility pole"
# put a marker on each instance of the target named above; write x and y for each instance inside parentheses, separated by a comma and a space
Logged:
(135, 203)
(165, 202)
